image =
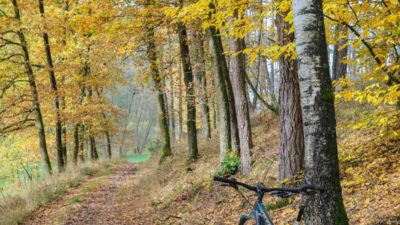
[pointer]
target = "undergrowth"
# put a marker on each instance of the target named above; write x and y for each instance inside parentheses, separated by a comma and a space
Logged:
(18, 202)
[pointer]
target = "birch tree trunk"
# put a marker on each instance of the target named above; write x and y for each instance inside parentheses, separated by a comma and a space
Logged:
(317, 101)
(190, 98)
(291, 156)
(34, 93)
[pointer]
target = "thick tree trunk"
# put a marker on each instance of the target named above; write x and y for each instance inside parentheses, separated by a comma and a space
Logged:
(317, 101)
(238, 73)
(199, 70)
(54, 88)
(162, 115)
(224, 120)
(34, 93)
(339, 68)
(291, 156)
(190, 95)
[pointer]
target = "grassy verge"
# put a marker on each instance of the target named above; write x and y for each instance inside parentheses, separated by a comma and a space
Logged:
(17, 203)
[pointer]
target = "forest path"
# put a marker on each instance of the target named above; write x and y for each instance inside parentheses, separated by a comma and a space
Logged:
(97, 201)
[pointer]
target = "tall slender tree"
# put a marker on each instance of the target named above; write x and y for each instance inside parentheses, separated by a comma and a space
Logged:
(190, 95)
(238, 74)
(224, 115)
(54, 88)
(199, 69)
(317, 102)
(155, 74)
(33, 88)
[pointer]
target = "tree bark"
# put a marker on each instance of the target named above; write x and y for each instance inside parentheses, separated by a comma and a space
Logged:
(54, 88)
(162, 115)
(339, 68)
(238, 74)
(34, 93)
(190, 95)
(317, 101)
(81, 154)
(199, 70)
(224, 120)
(93, 148)
(172, 110)
(180, 103)
(76, 144)
(291, 156)
(109, 149)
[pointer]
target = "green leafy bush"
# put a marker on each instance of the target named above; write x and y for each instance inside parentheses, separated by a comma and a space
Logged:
(230, 165)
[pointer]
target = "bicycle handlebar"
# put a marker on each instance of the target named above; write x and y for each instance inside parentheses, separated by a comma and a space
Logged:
(305, 189)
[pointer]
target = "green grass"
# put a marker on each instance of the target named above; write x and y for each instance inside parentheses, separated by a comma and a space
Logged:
(3, 183)
(138, 158)
(74, 200)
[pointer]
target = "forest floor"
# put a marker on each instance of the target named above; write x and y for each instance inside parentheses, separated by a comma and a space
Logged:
(180, 193)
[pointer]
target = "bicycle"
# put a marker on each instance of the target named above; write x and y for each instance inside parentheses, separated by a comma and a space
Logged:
(258, 209)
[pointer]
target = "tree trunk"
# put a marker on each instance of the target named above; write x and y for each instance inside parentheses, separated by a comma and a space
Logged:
(81, 143)
(34, 93)
(238, 73)
(339, 68)
(224, 120)
(190, 95)
(291, 156)
(199, 70)
(76, 144)
(54, 88)
(180, 103)
(121, 145)
(109, 149)
(172, 110)
(221, 61)
(317, 101)
(93, 149)
(162, 115)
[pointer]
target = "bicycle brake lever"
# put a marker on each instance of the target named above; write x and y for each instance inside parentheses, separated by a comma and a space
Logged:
(286, 195)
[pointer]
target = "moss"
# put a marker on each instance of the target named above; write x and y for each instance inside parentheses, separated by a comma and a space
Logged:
(278, 204)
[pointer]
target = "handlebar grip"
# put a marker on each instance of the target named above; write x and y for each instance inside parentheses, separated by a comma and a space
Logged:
(223, 180)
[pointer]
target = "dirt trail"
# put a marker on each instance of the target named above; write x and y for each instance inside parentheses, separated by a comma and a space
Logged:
(95, 202)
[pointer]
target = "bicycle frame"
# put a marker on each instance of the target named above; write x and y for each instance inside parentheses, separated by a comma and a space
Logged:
(258, 211)
(259, 214)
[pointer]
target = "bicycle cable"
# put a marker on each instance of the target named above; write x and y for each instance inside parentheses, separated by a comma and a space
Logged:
(244, 197)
